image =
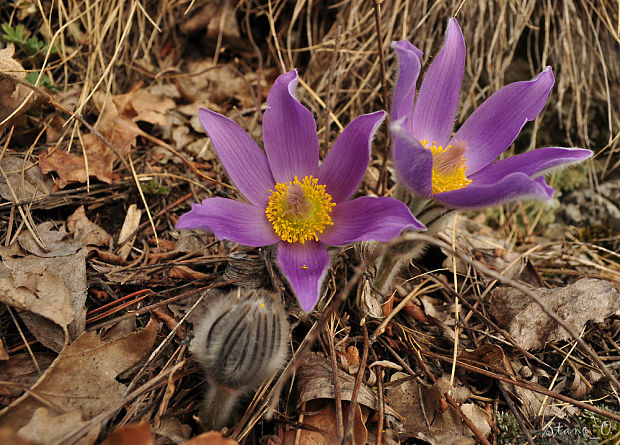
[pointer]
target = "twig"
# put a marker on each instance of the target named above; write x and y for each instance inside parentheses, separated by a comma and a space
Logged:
(337, 396)
(348, 429)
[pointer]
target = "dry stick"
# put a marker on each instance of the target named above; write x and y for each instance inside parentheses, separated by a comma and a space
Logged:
(380, 401)
(337, 396)
(380, 187)
(499, 277)
(348, 429)
(474, 429)
(524, 429)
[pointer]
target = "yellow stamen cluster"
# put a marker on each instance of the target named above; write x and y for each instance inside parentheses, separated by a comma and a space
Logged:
(448, 166)
(299, 211)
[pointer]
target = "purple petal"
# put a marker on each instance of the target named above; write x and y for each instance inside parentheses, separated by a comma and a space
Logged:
(408, 71)
(438, 99)
(496, 123)
(413, 162)
(304, 265)
(531, 163)
(368, 218)
(345, 164)
(245, 162)
(514, 186)
(289, 132)
(232, 220)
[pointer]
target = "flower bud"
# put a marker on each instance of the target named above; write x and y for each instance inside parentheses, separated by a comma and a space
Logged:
(240, 343)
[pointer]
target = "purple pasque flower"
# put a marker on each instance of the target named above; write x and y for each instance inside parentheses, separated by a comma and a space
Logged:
(292, 200)
(458, 170)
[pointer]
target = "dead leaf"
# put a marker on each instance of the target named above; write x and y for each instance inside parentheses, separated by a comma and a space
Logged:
(446, 424)
(12, 93)
(83, 377)
(85, 231)
(186, 273)
(587, 299)
(151, 108)
(21, 370)
(216, 17)
(131, 223)
(323, 419)
(50, 294)
(46, 428)
(133, 434)
(25, 179)
(54, 240)
(210, 438)
(9, 437)
(315, 380)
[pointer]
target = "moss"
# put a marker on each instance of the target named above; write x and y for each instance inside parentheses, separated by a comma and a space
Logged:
(510, 430)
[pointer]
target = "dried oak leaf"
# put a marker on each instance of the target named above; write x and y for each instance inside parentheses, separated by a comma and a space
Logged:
(133, 434)
(446, 425)
(315, 380)
(322, 420)
(54, 241)
(25, 180)
(49, 293)
(22, 372)
(210, 438)
(83, 377)
(587, 299)
(12, 93)
(86, 231)
(46, 428)
(71, 167)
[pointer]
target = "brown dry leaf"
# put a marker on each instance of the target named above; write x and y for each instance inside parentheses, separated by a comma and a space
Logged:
(83, 377)
(25, 179)
(186, 273)
(133, 434)
(46, 428)
(446, 425)
(151, 108)
(315, 380)
(3, 354)
(71, 168)
(116, 122)
(214, 84)
(86, 231)
(215, 17)
(54, 240)
(587, 299)
(50, 294)
(13, 94)
(210, 438)
(9, 437)
(131, 223)
(324, 420)
(21, 370)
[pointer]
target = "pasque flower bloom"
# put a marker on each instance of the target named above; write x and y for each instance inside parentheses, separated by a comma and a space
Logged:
(458, 170)
(292, 200)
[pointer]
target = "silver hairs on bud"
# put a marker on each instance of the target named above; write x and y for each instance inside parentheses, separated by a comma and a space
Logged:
(240, 343)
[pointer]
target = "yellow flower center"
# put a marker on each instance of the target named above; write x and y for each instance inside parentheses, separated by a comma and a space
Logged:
(448, 166)
(299, 211)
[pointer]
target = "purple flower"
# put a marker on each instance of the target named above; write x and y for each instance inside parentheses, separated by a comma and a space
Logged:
(458, 170)
(292, 200)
